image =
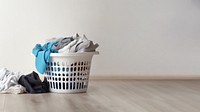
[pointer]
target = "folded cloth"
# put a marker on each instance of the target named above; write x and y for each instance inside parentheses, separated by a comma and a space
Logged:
(16, 89)
(42, 54)
(33, 84)
(8, 78)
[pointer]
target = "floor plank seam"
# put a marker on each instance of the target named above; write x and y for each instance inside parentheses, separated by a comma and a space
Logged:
(4, 103)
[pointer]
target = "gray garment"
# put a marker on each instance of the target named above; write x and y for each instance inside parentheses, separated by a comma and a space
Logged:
(79, 44)
(87, 47)
(63, 42)
(70, 48)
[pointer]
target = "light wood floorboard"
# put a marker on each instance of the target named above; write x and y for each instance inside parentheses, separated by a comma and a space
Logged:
(2, 100)
(113, 96)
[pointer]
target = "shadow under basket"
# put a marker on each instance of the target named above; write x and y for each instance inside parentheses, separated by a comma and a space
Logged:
(69, 73)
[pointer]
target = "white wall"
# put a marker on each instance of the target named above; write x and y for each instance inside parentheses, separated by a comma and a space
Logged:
(135, 36)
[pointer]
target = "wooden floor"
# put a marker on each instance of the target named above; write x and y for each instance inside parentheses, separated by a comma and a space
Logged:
(113, 96)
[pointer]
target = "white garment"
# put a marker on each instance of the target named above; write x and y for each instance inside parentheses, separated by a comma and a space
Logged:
(67, 48)
(80, 41)
(8, 78)
(86, 45)
(80, 44)
(16, 89)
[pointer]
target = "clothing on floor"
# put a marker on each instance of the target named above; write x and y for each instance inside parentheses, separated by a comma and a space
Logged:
(16, 89)
(42, 54)
(33, 84)
(62, 43)
(8, 78)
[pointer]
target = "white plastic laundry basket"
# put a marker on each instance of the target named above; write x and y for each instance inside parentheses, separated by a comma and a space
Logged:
(69, 73)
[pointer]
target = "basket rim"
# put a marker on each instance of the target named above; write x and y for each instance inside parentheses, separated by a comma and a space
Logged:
(75, 54)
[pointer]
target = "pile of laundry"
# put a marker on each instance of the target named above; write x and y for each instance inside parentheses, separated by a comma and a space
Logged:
(17, 82)
(72, 44)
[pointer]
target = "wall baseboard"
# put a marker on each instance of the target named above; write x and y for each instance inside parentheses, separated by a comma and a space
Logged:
(146, 77)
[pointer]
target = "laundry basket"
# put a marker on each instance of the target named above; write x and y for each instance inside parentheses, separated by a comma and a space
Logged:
(69, 73)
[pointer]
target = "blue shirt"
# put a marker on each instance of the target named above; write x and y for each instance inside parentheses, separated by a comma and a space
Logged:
(42, 54)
